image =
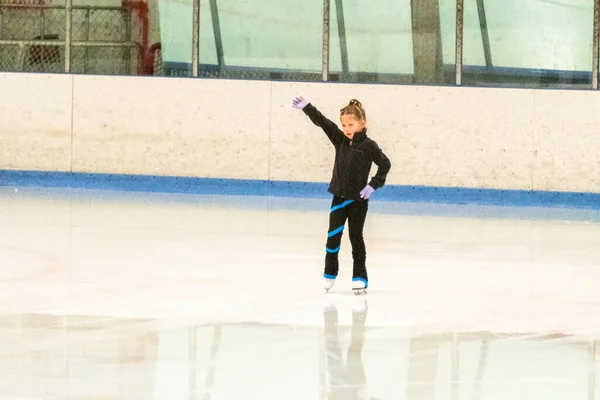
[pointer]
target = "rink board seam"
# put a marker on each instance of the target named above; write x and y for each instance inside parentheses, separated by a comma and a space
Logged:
(247, 187)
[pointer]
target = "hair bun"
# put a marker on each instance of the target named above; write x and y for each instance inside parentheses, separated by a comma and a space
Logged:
(354, 108)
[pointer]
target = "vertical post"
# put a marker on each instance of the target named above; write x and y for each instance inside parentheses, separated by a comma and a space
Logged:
(459, 40)
(485, 37)
(214, 12)
(68, 35)
(43, 25)
(87, 38)
(196, 38)
(428, 59)
(127, 20)
(341, 23)
(596, 44)
(325, 64)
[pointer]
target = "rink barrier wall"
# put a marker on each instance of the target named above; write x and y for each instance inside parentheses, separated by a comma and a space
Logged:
(245, 187)
(444, 142)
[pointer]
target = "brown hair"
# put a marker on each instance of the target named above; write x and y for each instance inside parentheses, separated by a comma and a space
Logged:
(354, 108)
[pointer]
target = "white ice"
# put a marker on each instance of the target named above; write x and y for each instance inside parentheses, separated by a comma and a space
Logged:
(108, 295)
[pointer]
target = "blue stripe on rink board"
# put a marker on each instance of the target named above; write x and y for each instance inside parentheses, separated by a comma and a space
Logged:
(335, 231)
(334, 250)
(289, 189)
(344, 204)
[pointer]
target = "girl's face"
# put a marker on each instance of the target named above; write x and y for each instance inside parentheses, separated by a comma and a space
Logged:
(351, 125)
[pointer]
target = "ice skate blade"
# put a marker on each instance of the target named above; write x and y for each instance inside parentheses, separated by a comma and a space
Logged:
(359, 292)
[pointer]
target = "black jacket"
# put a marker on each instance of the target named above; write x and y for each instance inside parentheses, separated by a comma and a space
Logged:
(353, 158)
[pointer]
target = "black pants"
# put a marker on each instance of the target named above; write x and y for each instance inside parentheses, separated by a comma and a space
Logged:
(355, 211)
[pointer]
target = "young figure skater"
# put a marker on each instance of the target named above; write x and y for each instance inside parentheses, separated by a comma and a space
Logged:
(350, 185)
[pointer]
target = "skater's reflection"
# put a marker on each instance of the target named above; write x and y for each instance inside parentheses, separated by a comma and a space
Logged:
(347, 381)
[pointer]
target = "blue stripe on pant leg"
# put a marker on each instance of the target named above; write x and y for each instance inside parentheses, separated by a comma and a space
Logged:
(334, 250)
(335, 231)
(344, 204)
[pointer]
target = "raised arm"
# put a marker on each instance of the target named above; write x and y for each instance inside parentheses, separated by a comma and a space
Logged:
(335, 135)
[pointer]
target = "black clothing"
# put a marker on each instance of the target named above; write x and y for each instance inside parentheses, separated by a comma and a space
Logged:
(356, 213)
(353, 158)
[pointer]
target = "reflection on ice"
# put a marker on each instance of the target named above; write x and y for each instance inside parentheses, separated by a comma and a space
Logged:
(139, 296)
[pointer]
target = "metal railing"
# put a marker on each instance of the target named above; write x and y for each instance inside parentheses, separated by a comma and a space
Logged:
(459, 72)
(64, 39)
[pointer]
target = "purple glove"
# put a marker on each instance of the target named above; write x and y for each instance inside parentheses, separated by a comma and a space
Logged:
(299, 102)
(366, 192)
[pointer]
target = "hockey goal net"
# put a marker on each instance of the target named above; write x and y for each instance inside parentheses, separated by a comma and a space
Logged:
(104, 38)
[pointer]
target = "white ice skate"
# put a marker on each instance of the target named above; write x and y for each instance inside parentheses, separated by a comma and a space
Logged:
(328, 282)
(359, 286)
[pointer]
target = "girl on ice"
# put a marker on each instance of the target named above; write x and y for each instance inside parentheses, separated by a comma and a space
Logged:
(350, 185)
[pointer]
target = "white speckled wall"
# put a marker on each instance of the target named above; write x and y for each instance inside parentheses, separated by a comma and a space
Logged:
(178, 127)
(435, 136)
(35, 122)
(567, 141)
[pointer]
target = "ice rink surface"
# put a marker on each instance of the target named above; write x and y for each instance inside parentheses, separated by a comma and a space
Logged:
(114, 295)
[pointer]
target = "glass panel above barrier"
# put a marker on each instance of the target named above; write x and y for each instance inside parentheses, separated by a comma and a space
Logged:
(172, 54)
(390, 41)
(528, 43)
(261, 39)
